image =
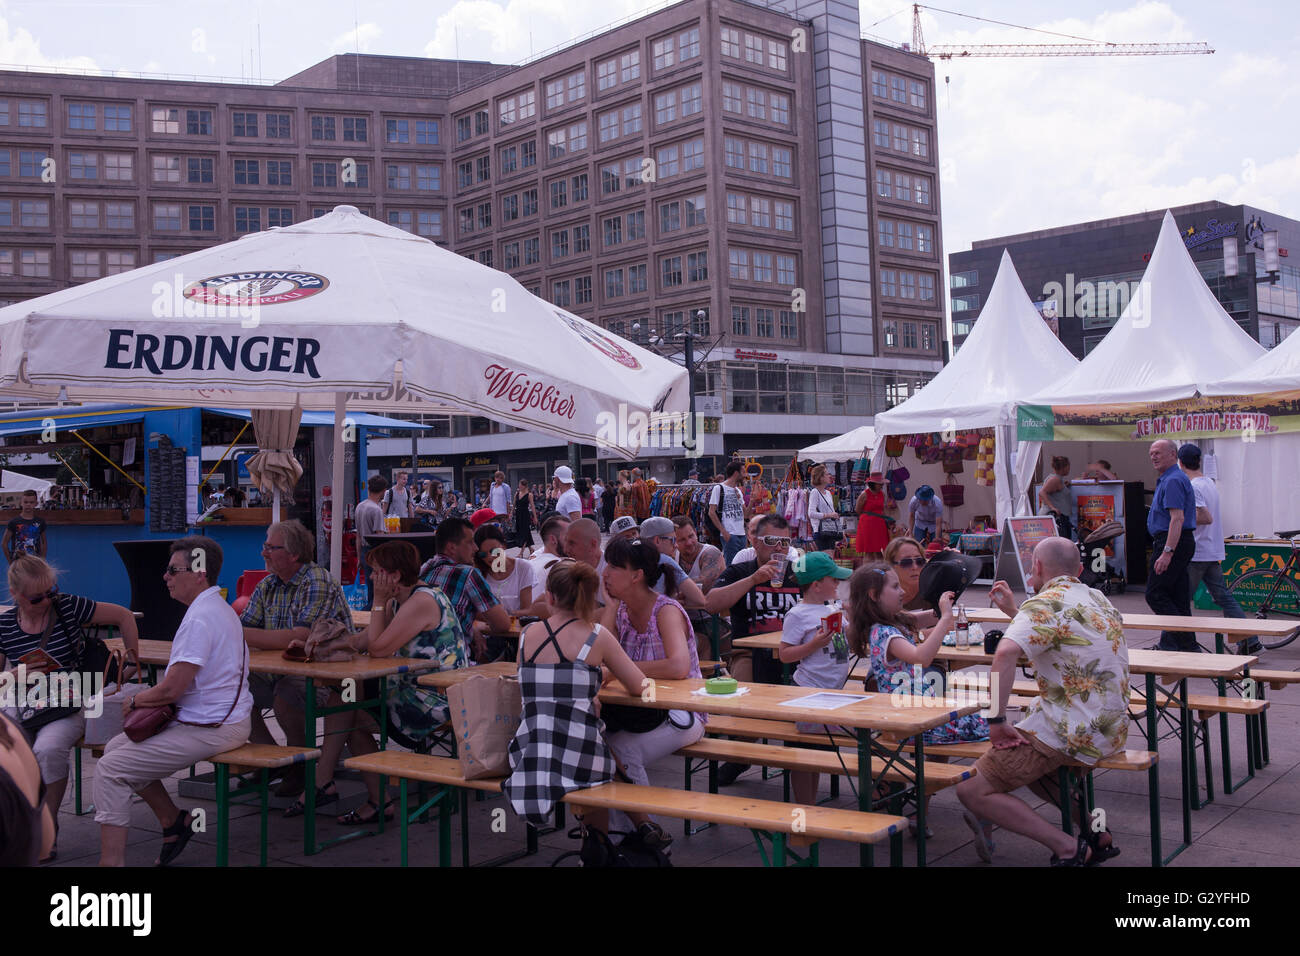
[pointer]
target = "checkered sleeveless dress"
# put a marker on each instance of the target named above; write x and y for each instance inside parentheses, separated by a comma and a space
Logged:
(560, 745)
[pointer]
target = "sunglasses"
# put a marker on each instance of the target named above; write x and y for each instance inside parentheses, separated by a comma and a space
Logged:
(774, 540)
(172, 572)
(910, 563)
(274, 547)
(40, 598)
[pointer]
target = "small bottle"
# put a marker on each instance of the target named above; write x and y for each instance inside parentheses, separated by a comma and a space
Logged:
(963, 627)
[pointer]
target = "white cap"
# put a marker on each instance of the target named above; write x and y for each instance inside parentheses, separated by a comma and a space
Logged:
(564, 474)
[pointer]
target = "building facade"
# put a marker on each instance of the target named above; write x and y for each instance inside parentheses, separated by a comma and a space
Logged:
(759, 175)
(1082, 276)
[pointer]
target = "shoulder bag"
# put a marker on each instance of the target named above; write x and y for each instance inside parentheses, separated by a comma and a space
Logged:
(35, 716)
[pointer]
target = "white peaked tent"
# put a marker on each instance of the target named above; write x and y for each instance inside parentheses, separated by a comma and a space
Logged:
(1009, 354)
(341, 312)
(852, 444)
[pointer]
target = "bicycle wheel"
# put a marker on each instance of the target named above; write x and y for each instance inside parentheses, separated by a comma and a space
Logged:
(1254, 586)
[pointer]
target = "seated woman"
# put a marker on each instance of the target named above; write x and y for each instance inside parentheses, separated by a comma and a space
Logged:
(410, 619)
(656, 633)
(907, 558)
(563, 662)
(206, 681)
(511, 580)
(44, 619)
(26, 824)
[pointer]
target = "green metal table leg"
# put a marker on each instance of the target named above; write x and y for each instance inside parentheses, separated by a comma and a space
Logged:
(1189, 759)
(309, 795)
(223, 814)
(1153, 775)
(715, 636)
(265, 812)
(920, 800)
(402, 807)
(1065, 788)
(865, 788)
(464, 825)
(778, 850)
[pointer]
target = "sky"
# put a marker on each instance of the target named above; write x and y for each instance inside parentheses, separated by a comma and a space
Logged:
(1024, 143)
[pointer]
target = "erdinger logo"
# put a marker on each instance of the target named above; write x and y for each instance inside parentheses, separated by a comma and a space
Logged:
(602, 343)
(256, 288)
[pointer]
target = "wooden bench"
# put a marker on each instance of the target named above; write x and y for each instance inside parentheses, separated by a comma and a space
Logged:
(1275, 680)
(250, 758)
(777, 819)
(752, 728)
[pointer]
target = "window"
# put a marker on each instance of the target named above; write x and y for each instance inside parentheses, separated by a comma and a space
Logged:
(898, 89)
(965, 303)
(880, 133)
(737, 210)
(117, 119)
(360, 180)
(730, 42)
(81, 215)
(695, 212)
(485, 215)
(609, 126)
(464, 129)
(667, 158)
(763, 322)
(888, 282)
(921, 143)
(32, 114)
(670, 270)
(203, 218)
(527, 154)
(428, 178)
(279, 173)
(483, 169)
(554, 94)
(789, 324)
(401, 218)
(670, 217)
(776, 55)
(630, 66)
(83, 165)
(906, 236)
(166, 121)
(398, 131)
(635, 222)
(879, 84)
(4, 118)
(198, 170)
(465, 174)
(688, 44)
(762, 267)
(324, 174)
(909, 335)
(636, 279)
(753, 49)
(922, 190)
(119, 215)
(322, 128)
(578, 137)
(739, 320)
(166, 217)
(780, 108)
(757, 100)
(198, 122)
(927, 335)
(891, 335)
(606, 74)
(31, 162)
(277, 126)
(697, 267)
(581, 239)
(925, 283)
(785, 270)
(466, 219)
(243, 124)
(509, 208)
(663, 51)
(917, 88)
(785, 216)
(399, 177)
(247, 172)
(560, 293)
(85, 265)
(559, 194)
(735, 151)
(354, 129)
(249, 219)
(582, 290)
(900, 138)
(758, 157)
(782, 162)
(577, 86)
(528, 206)
(692, 99)
(885, 233)
(278, 217)
(613, 283)
(610, 180)
(426, 132)
(907, 285)
(613, 228)
(556, 144)
(578, 188)
(532, 251)
(632, 172)
(665, 107)
(760, 213)
(510, 255)
(732, 97)
(902, 187)
(6, 212)
(81, 115)
(116, 262)
(883, 181)
(632, 119)
(738, 262)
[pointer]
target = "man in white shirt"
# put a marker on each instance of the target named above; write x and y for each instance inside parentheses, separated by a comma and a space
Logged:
(397, 500)
(499, 498)
(727, 511)
(552, 534)
(1207, 560)
(568, 503)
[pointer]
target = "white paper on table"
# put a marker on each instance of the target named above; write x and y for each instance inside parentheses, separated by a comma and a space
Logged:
(825, 701)
(703, 692)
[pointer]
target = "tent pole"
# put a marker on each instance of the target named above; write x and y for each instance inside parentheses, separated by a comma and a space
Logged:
(336, 489)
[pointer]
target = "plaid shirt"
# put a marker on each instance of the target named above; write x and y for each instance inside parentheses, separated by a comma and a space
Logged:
(464, 587)
(309, 596)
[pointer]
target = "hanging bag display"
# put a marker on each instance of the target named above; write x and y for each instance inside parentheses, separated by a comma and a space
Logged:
(894, 446)
(954, 496)
(952, 461)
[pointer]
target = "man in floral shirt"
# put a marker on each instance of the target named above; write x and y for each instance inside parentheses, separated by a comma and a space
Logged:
(1074, 639)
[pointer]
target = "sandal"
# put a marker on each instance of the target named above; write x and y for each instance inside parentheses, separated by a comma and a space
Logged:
(324, 797)
(182, 830)
(911, 827)
(1100, 854)
(984, 845)
(353, 818)
(1082, 855)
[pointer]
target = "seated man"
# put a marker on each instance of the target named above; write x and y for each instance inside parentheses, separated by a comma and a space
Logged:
(285, 604)
(661, 533)
(1074, 639)
(452, 572)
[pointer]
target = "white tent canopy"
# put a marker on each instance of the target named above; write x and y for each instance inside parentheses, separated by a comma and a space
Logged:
(14, 481)
(1277, 370)
(1172, 337)
(858, 443)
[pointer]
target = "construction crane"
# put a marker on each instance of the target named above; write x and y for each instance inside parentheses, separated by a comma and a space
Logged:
(1085, 48)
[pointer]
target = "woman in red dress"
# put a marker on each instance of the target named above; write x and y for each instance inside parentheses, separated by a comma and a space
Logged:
(873, 525)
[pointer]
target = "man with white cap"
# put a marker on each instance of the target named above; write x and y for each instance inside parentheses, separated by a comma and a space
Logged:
(662, 534)
(624, 526)
(568, 503)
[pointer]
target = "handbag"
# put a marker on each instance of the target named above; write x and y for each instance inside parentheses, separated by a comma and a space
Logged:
(487, 711)
(954, 496)
(328, 641)
(141, 723)
(952, 461)
(894, 445)
(34, 716)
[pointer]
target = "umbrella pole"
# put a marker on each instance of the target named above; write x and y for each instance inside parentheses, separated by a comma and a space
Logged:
(275, 505)
(336, 491)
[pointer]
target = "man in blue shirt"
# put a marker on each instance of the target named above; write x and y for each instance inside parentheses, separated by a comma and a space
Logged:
(1172, 525)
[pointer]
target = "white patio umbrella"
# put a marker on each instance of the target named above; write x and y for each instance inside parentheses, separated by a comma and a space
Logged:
(336, 312)
(274, 469)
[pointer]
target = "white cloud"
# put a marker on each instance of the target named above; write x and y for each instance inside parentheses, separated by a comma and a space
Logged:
(19, 48)
(360, 37)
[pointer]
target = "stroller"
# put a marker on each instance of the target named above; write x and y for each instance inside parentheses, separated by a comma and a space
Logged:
(1092, 552)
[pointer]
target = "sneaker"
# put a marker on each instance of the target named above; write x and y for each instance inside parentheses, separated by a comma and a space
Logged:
(728, 773)
(651, 834)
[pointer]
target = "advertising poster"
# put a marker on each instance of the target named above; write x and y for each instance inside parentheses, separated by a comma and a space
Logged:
(1019, 538)
(1204, 417)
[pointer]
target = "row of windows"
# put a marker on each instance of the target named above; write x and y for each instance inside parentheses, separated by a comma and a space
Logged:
(766, 322)
(902, 284)
(755, 47)
(667, 51)
(903, 187)
(87, 214)
(760, 212)
(680, 103)
(908, 236)
(915, 335)
(898, 89)
(759, 157)
(752, 265)
(901, 138)
(767, 106)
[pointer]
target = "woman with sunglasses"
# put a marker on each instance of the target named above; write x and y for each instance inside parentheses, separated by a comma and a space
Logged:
(511, 580)
(43, 631)
(907, 558)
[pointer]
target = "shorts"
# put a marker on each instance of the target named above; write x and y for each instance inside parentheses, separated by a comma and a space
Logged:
(1017, 767)
(265, 688)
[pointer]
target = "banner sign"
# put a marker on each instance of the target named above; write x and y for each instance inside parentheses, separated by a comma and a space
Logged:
(1228, 416)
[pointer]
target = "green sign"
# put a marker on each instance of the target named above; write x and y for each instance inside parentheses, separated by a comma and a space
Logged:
(1035, 423)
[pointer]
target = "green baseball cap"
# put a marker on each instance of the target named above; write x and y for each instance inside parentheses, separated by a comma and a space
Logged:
(816, 565)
